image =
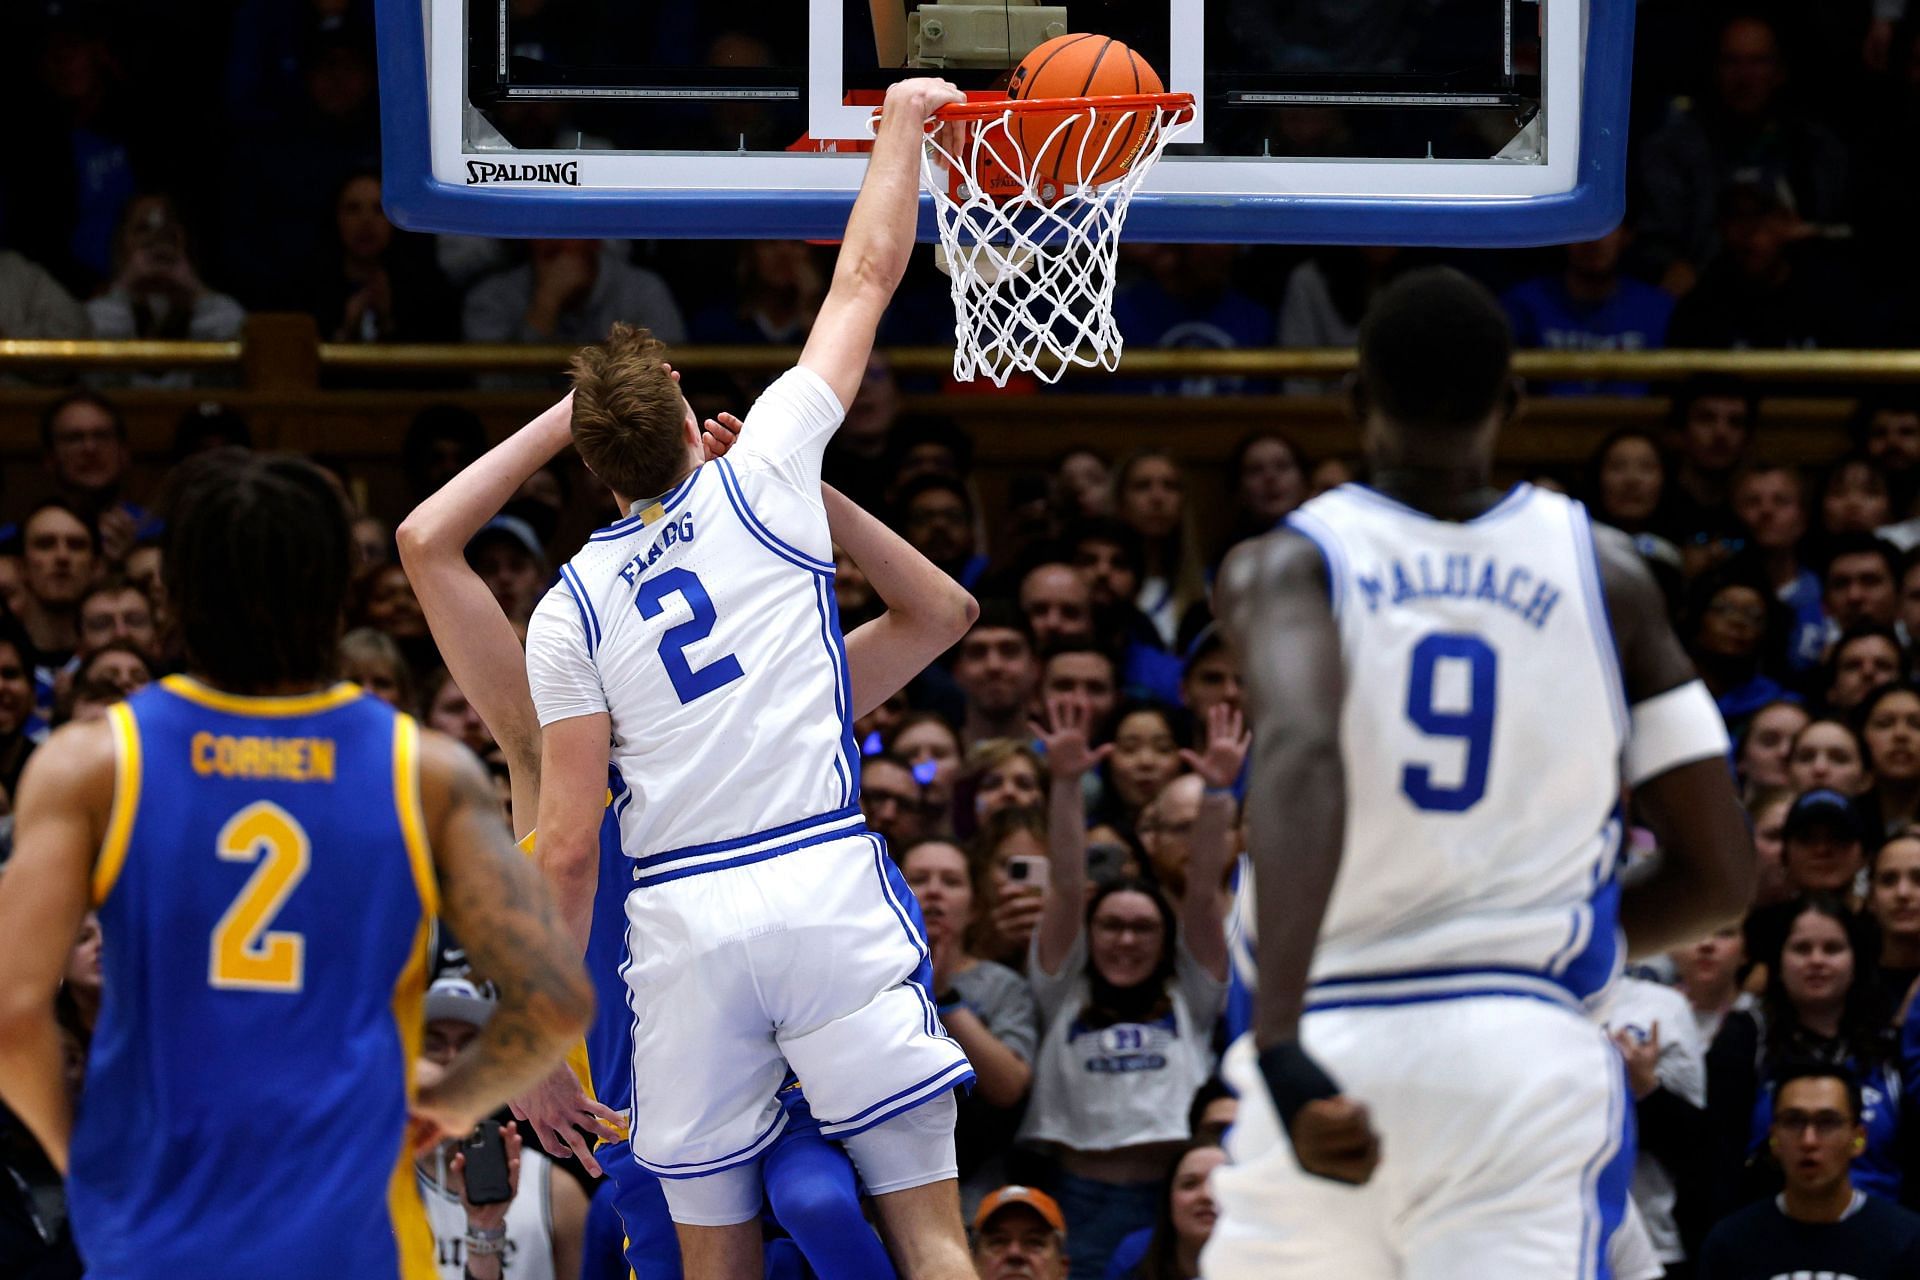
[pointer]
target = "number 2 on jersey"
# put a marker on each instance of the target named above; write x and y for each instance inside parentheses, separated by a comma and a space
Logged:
(1472, 724)
(246, 954)
(687, 683)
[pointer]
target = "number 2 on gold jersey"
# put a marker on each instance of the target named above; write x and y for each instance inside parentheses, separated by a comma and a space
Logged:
(246, 955)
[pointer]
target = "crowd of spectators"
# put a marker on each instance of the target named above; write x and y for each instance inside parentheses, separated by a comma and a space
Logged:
(1062, 791)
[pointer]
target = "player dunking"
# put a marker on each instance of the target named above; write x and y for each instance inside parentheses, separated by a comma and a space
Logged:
(926, 614)
(698, 634)
(1448, 687)
(266, 851)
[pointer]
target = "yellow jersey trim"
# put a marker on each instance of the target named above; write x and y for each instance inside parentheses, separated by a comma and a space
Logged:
(299, 704)
(126, 799)
(413, 822)
(412, 1237)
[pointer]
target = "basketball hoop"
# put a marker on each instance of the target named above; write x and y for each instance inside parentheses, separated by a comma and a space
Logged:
(1031, 248)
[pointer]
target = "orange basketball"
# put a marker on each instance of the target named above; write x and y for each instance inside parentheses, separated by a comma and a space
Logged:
(1066, 149)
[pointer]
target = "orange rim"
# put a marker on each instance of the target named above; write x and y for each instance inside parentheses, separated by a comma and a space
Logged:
(1178, 105)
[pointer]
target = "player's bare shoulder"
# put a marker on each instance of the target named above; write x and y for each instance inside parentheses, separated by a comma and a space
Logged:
(1651, 659)
(1272, 566)
(451, 776)
(74, 768)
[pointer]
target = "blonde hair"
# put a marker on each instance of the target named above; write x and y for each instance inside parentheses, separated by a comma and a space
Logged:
(627, 413)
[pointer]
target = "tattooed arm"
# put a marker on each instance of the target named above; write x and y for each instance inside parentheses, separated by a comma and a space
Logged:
(497, 906)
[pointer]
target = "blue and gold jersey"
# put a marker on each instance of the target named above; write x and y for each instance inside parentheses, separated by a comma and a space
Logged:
(610, 1036)
(264, 893)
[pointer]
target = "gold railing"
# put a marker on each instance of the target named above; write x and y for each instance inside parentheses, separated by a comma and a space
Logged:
(281, 344)
(301, 393)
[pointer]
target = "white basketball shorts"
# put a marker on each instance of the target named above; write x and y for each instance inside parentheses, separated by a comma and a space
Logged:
(1506, 1150)
(810, 958)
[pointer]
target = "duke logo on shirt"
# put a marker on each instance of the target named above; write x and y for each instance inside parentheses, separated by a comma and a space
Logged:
(1125, 1046)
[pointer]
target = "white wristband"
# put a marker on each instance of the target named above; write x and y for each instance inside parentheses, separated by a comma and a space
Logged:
(1674, 728)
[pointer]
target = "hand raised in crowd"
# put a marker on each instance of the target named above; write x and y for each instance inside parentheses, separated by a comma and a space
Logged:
(1227, 744)
(376, 297)
(1642, 1059)
(944, 949)
(1065, 737)
(488, 1217)
(118, 533)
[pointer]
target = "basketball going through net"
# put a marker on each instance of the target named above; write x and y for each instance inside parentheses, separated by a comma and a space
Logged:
(1030, 192)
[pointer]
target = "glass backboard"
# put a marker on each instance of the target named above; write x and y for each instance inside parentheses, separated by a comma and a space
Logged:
(1441, 122)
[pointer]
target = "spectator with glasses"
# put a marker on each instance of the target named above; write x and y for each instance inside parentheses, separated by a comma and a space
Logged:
(1821, 1223)
(893, 800)
(1823, 1001)
(1735, 635)
(1128, 993)
(985, 1006)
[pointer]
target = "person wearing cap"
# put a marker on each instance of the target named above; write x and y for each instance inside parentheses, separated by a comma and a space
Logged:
(507, 555)
(1019, 1234)
(1822, 844)
(1821, 852)
(1209, 674)
(539, 1234)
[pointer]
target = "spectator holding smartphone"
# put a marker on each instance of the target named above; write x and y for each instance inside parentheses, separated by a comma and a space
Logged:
(1128, 991)
(985, 1006)
(535, 1236)
(1009, 858)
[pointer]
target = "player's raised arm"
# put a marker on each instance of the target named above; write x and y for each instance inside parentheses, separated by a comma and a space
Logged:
(880, 234)
(475, 638)
(59, 820)
(1676, 768)
(1273, 603)
(927, 612)
(494, 901)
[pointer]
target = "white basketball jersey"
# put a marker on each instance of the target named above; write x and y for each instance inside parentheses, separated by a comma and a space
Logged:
(1482, 729)
(704, 624)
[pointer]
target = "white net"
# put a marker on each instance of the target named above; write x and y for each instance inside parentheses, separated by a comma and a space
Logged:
(1032, 256)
